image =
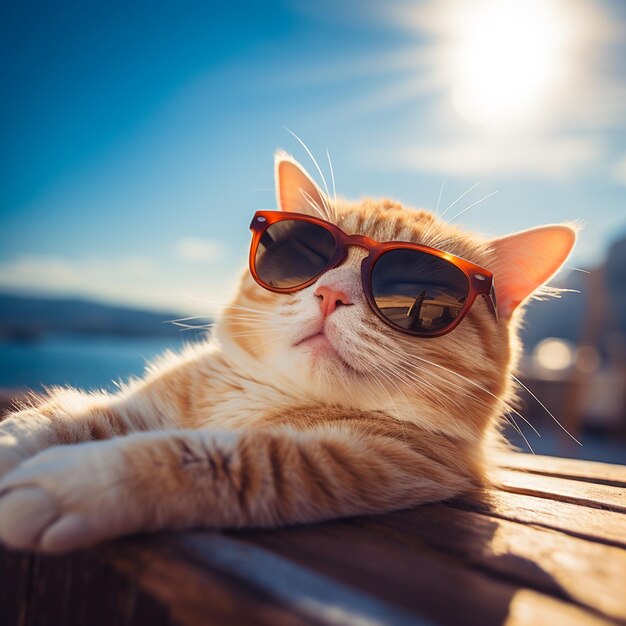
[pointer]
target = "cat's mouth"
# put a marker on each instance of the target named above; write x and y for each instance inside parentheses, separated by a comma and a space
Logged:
(321, 345)
(316, 339)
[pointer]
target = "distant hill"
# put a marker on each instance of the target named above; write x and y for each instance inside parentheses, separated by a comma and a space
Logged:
(28, 318)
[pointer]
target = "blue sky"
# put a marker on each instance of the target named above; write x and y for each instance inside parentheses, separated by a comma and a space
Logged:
(137, 142)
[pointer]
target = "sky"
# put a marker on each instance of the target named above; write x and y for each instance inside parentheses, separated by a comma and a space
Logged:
(138, 138)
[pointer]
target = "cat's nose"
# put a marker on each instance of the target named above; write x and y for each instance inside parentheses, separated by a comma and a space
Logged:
(331, 299)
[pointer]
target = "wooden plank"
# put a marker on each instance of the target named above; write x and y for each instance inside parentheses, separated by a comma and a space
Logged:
(196, 594)
(15, 574)
(607, 527)
(303, 591)
(73, 590)
(202, 584)
(434, 585)
(528, 608)
(563, 490)
(588, 573)
(591, 471)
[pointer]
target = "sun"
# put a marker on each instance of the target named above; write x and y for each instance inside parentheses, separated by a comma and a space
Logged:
(507, 57)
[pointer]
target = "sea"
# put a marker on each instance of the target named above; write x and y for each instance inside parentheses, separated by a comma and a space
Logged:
(83, 361)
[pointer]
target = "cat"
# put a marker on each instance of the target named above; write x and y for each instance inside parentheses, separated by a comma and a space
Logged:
(253, 428)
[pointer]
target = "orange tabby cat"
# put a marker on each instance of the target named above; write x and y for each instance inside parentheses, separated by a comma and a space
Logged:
(257, 427)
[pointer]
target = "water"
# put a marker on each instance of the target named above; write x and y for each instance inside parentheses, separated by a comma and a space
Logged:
(88, 362)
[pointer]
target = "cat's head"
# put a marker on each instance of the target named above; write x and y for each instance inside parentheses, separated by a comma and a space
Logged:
(326, 343)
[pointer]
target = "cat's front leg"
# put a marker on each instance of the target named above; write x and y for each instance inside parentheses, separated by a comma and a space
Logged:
(68, 496)
(74, 496)
(68, 416)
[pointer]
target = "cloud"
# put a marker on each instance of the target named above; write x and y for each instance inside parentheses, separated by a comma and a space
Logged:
(198, 250)
(131, 280)
(546, 158)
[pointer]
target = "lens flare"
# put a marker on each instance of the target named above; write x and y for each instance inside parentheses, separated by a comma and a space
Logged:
(553, 354)
(508, 57)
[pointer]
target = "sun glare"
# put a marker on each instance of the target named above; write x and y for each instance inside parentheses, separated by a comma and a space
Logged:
(508, 58)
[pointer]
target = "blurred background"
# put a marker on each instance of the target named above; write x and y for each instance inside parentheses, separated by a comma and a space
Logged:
(137, 141)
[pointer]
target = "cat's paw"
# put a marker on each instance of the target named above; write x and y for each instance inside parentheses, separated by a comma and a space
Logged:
(10, 454)
(21, 436)
(65, 498)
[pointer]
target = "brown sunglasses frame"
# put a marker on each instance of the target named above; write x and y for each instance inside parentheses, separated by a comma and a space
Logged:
(480, 281)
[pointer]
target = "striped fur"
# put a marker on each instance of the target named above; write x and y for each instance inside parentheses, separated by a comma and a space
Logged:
(252, 429)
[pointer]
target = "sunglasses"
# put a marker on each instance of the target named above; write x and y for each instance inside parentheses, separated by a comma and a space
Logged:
(415, 289)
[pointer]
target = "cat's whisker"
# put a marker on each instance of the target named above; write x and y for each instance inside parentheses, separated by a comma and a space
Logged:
(248, 316)
(493, 193)
(187, 319)
(319, 169)
(371, 376)
(404, 368)
(545, 408)
(480, 401)
(512, 410)
(196, 328)
(478, 386)
(260, 324)
(307, 196)
(400, 420)
(401, 372)
(443, 183)
(389, 377)
(240, 307)
(401, 376)
(384, 388)
(482, 180)
(423, 382)
(332, 177)
(513, 423)
(182, 324)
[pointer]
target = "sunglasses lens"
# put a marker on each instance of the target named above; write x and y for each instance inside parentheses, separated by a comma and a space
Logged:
(291, 252)
(417, 291)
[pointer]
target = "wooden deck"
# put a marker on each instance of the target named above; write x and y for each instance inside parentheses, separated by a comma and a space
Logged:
(549, 548)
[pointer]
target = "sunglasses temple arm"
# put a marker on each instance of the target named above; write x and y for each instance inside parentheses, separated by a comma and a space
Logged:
(491, 301)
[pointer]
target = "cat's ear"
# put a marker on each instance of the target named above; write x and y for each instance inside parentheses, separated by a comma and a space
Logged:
(525, 261)
(296, 191)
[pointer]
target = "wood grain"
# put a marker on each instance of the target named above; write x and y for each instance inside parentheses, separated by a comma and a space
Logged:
(548, 547)
(591, 471)
(598, 496)
(589, 523)
(404, 570)
(588, 573)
